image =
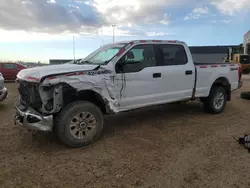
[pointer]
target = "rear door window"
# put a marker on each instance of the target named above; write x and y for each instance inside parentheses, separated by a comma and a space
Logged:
(171, 54)
(9, 66)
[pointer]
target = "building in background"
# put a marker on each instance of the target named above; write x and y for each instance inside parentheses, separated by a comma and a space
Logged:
(210, 54)
(246, 43)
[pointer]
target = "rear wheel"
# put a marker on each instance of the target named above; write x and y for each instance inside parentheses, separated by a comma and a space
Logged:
(216, 101)
(245, 71)
(245, 95)
(79, 124)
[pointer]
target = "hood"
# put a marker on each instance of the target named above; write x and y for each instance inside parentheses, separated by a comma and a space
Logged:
(36, 73)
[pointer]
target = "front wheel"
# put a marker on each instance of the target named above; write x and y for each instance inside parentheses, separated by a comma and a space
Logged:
(216, 101)
(79, 124)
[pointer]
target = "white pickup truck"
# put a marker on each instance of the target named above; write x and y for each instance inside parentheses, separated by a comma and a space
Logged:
(72, 98)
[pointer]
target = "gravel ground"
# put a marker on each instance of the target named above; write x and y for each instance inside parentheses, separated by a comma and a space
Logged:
(166, 146)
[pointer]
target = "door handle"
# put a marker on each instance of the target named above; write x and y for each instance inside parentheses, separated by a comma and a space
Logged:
(188, 72)
(156, 75)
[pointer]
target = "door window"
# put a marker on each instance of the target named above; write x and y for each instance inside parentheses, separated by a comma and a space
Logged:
(138, 58)
(9, 66)
(171, 54)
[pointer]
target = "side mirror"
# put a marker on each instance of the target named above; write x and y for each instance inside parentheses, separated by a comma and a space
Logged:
(122, 63)
(120, 66)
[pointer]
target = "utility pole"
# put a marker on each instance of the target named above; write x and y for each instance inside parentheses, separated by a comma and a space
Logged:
(74, 54)
(113, 25)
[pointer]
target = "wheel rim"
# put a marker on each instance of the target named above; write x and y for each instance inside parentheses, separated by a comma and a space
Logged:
(82, 125)
(219, 100)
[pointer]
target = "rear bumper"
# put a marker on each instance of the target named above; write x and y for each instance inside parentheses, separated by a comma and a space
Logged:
(239, 86)
(32, 120)
(3, 94)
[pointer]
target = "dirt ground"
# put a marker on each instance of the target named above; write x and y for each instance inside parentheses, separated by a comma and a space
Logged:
(166, 146)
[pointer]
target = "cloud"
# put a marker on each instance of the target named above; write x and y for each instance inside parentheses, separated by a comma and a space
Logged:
(46, 16)
(201, 10)
(133, 11)
(130, 31)
(154, 34)
(80, 16)
(86, 16)
(166, 19)
(231, 7)
(197, 13)
(222, 21)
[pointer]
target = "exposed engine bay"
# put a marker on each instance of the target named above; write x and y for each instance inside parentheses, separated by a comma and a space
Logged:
(43, 99)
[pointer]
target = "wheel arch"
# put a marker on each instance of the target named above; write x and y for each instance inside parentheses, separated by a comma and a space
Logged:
(94, 97)
(71, 94)
(223, 82)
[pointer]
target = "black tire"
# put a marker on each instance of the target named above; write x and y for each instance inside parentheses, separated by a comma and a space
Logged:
(245, 95)
(209, 102)
(69, 114)
(245, 71)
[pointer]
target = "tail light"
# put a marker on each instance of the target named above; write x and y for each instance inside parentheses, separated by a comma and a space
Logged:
(240, 72)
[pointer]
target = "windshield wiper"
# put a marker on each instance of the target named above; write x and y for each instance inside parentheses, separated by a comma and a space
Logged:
(86, 62)
(80, 61)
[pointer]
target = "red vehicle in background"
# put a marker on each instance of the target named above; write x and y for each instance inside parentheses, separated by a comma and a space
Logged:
(10, 70)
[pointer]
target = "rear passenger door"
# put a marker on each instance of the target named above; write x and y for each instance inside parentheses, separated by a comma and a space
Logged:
(179, 71)
(138, 80)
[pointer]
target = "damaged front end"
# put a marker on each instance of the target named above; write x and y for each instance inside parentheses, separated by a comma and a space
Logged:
(31, 111)
(32, 120)
(41, 100)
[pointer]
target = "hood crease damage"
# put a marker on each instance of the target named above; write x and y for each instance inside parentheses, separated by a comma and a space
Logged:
(98, 81)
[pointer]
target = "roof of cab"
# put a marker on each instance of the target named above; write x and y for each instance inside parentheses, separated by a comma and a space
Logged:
(149, 41)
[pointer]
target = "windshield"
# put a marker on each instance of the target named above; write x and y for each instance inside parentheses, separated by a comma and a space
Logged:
(100, 56)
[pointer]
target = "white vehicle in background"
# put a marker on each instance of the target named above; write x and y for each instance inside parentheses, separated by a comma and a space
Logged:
(72, 98)
(3, 90)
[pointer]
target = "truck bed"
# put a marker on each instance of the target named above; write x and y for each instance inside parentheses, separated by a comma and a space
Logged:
(206, 74)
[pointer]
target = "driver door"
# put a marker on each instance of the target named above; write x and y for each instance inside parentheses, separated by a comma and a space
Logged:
(138, 81)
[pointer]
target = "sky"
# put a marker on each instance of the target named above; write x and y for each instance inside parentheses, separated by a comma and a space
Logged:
(39, 30)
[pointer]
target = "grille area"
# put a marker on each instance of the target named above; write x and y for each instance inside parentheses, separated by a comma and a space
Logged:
(29, 94)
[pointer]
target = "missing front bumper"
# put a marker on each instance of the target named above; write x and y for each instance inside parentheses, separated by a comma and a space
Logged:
(32, 120)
